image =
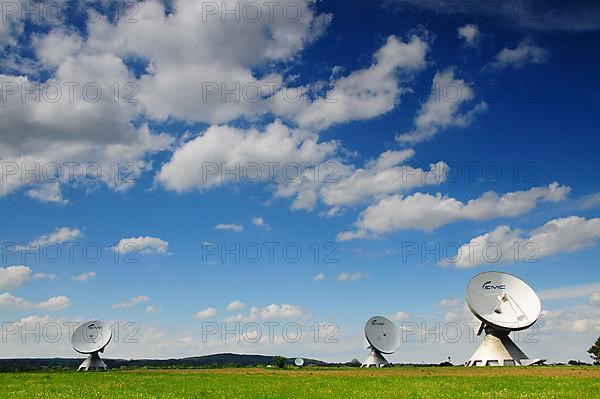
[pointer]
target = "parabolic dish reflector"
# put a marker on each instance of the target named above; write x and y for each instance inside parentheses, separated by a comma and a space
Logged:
(91, 337)
(299, 362)
(503, 300)
(382, 334)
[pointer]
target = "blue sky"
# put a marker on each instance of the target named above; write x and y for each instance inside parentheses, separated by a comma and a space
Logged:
(438, 130)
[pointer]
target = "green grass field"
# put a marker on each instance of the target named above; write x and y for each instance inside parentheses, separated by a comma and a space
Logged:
(400, 382)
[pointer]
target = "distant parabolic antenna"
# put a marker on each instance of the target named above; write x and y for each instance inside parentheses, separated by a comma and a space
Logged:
(299, 362)
(503, 303)
(91, 338)
(382, 336)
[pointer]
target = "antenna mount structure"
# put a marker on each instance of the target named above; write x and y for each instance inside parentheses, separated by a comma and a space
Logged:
(503, 303)
(91, 339)
(382, 335)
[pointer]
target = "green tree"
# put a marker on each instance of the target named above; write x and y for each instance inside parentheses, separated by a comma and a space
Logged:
(594, 351)
(279, 361)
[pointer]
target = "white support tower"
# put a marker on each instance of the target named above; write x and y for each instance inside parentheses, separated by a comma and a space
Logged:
(497, 349)
(503, 303)
(382, 335)
(91, 339)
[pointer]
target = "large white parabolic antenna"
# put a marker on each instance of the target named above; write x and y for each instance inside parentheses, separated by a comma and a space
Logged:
(299, 362)
(503, 303)
(383, 338)
(90, 339)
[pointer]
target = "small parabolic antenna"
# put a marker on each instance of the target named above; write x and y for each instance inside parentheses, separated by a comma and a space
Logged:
(382, 336)
(299, 362)
(90, 339)
(503, 303)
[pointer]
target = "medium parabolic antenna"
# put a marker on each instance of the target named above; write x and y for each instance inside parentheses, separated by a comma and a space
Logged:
(382, 336)
(90, 339)
(503, 303)
(299, 362)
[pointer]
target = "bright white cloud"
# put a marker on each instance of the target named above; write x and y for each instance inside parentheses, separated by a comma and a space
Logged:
(131, 302)
(443, 109)
(351, 276)
(576, 319)
(183, 58)
(206, 313)
(152, 309)
(191, 54)
(380, 177)
(270, 312)
(13, 302)
(590, 201)
(80, 131)
(235, 305)
(59, 236)
(47, 193)
(84, 277)
(363, 94)
(339, 185)
(54, 304)
(237, 228)
(527, 52)
(141, 245)
(559, 235)
(427, 212)
(319, 277)
(225, 154)
(470, 34)
(260, 222)
(52, 49)
(12, 277)
(284, 311)
(595, 299)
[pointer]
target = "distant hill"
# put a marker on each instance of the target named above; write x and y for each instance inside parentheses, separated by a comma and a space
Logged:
(217, 360)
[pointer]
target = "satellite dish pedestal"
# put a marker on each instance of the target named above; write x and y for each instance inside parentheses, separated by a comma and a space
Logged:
(382, 336)
(498, 349)
(93, 363)
(375, 359)
(503, 303)
(91, 339)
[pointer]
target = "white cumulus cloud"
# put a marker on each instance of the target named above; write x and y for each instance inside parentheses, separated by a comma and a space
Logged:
(237, 228)
(355, 276)
(364, 93)
(470, 34)
(12, 277)
(141, 245)
(235, 305)
(428, 212)
(559, 235)
(56, 303)
(527, 52)
(84, 277)
(443, 109)
(206, 313)
(131, 302)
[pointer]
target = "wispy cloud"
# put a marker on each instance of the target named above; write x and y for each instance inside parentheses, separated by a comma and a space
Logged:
(84, 277)
(238, 228)
(131, 303)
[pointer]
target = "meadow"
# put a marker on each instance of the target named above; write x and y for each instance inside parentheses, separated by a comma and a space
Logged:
(399, 382)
